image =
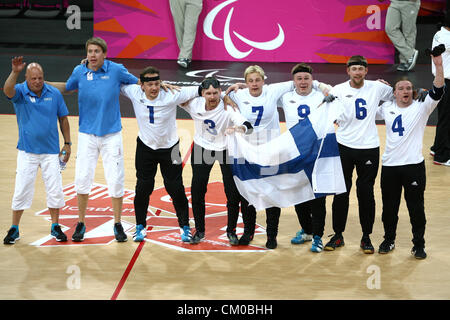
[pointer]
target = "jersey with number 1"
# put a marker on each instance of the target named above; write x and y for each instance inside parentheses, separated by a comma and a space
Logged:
(356, 120)
(404, 131)
(157, 118)
(210, 125)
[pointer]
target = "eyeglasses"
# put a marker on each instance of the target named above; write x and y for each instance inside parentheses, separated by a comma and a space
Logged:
(207, 83)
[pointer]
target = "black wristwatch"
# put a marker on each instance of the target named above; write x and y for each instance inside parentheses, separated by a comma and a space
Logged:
(69, 143)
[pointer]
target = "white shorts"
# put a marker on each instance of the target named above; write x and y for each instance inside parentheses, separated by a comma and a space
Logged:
(110, 147)
(27, 168)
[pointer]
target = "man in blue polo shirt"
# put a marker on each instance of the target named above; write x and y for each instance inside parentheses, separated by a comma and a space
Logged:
(100, 129)
(38, 108)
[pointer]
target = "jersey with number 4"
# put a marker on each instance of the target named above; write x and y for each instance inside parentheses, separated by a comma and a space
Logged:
(262, 111)
(405, 128)
(356, 119)
(210, 125)
(297, 107)
(157, 118)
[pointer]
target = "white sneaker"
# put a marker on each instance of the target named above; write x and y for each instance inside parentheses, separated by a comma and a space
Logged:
(446, 163)
(412, 61)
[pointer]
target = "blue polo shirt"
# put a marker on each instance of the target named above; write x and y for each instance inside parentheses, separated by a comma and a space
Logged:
(98, 96)
(37, 118)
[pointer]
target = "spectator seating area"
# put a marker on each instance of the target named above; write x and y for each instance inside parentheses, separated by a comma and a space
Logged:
(44, 9)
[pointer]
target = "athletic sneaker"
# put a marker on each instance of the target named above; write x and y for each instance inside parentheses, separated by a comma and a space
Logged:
(183, 62)
(336, 241)
(57, 233)
(366, 245)
(245, 239)
(140, 233)
(271, 243)
(418, 252)
(412, 60)
(119, 233)
(12, 236)
(78, 235)
(198, 237)
(186, 235)
(402, 67)
(232, 237)
(301, 237)
(445, 163)
(317, 244)
(386, 246)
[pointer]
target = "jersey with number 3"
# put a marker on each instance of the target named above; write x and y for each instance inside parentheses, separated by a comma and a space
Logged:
(405, 128)
(157, 118)
(356, 120)
(210, 125)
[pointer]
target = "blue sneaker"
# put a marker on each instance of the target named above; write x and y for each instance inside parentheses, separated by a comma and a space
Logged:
(57, 233)
(186, 235)
(301, 237)
(78, 235)
(140, 233)
(317, 244)
(12, 236)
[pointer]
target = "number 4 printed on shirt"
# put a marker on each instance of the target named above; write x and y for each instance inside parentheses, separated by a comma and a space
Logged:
(397, 125)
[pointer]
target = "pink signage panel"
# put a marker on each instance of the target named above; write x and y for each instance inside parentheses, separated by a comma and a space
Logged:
(250, 30)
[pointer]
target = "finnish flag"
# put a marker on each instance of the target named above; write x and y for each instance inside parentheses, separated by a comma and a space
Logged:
(299, 165)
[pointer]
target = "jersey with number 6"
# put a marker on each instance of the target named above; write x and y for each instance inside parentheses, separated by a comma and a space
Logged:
(356, 120)
(404, 131)
(297, 107)
(210, 125)
(157, 118)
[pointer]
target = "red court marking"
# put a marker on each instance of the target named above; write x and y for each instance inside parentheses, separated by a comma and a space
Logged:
(140, 246)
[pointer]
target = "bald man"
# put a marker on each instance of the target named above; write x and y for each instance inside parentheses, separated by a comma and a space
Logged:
(39, 107)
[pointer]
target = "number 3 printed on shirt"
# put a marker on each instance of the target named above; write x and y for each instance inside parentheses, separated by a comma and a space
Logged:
(361, 112)
(211, 126)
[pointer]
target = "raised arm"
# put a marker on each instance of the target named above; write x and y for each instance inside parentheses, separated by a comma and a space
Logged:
(17, 65)
(439, 80)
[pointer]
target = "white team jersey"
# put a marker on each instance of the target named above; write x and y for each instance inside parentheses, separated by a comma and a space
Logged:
(210, 125)
(356, 117)
(157, 118)
(442, 37)
(297, 107)
(262, 111)
(404, 131)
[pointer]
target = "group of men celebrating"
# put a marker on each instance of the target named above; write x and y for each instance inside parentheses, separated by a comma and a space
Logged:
(99, 82)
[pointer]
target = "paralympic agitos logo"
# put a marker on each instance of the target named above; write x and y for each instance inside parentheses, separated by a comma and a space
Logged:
(227, 39)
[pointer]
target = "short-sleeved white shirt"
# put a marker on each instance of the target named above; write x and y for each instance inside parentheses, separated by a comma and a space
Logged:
(157, 118)
(210, 125)
(357, 128)
(405, 128)
(297, 107)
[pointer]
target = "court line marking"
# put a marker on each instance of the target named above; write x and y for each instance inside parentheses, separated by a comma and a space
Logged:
(141, 245)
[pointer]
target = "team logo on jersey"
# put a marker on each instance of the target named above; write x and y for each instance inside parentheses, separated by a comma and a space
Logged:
(227, 39)
(162, 222)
